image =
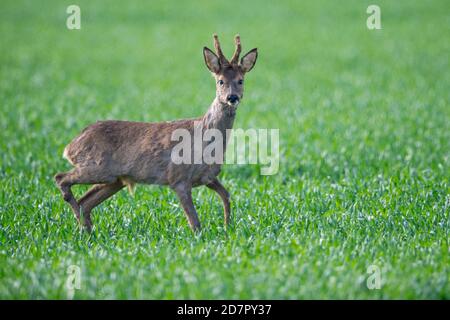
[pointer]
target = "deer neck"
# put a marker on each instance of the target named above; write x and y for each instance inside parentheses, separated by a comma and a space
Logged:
(219, 116)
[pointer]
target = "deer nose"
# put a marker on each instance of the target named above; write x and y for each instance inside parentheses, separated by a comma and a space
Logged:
(233, 98)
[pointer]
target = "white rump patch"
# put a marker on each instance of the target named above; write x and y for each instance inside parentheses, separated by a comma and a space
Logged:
(66, 156)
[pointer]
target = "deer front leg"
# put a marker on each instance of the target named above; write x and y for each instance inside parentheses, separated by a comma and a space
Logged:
(184, 193)
(225, 196)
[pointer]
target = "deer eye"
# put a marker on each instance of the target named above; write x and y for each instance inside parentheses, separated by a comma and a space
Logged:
(240, 82)
(220, 82)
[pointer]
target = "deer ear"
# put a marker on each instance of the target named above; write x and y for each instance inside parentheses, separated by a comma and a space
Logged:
(248, 61)
(211, 60)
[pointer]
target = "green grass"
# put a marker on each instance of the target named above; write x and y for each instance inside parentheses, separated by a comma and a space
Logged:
(364, 138)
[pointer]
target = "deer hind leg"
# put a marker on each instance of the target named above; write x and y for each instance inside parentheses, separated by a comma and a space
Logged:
(67, 193)
(81, 204)
(225, 196)
(94, 196)
(184, 193)
(65, 180)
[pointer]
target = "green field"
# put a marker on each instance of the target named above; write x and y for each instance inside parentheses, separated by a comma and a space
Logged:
(364, 139)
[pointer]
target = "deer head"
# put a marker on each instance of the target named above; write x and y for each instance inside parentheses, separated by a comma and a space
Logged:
(229, 74)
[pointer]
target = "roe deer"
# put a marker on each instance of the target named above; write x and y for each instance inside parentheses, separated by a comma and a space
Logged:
(114, 154)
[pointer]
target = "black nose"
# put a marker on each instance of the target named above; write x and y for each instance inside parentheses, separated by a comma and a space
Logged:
(232, 98)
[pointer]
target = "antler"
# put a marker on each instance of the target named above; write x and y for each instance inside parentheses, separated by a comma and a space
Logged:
(219, 52)
(237, 51)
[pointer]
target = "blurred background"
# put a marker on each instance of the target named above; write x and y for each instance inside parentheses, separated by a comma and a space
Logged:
(364, 141)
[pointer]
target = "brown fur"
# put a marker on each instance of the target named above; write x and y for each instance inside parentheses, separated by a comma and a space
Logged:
(113, 154)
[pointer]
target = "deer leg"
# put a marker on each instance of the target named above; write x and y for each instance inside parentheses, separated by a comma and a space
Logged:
(81, 203)
(94, 196)
(184, 193)
(67, 193)
(224, 195)
(65, 180)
